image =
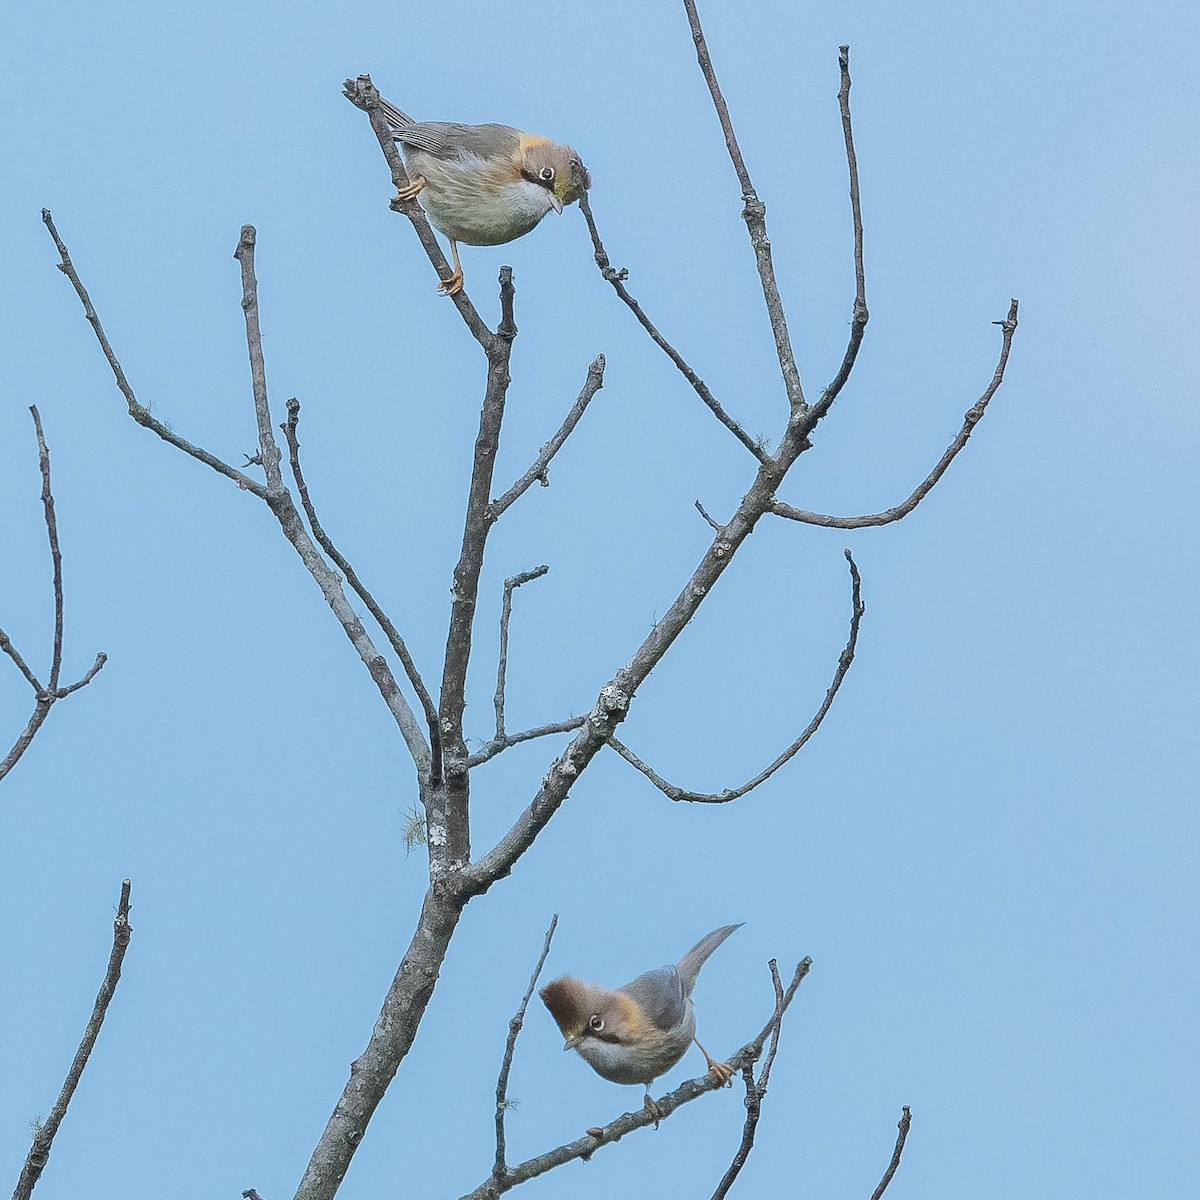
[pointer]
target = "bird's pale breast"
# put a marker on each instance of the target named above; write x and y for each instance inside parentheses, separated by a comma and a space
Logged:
(476, 201)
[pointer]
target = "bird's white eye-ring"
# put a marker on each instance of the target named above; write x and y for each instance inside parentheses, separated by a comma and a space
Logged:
(546, 174)
(596, 1023)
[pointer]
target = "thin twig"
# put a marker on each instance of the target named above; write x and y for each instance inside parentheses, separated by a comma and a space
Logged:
(494, 746)
(137, 411)
(514, 1028)
(858, 321)
(291, 432)
(43, 1139)
(505, 616)
(971, 418)
(704, 513)
(251, 1194)
(51, 692)
(756, 1091)
(363, 94)
(537, 472)
(754, 214)
(607, 1135)
(673, 792)
(901, 1137)
(617, 279)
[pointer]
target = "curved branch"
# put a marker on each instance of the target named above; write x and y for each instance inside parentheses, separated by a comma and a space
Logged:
(137, 411)
(43, 1139)
(971, 418)
(672, 792)
(537, 472)
(290, 429)
(754, 214)
(514, 1028)
(583, 1148)
(617, 279)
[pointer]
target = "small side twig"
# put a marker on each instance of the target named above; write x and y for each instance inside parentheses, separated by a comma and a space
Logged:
(617, 279)
(716, 528)
(537, 472)
(901, 1137)
(495, 745)
(514, 1028)
(607, 1135)
(291, 432)
(46, 696)
(43, 1139)
(971, 418)
(756, 1091)
(510, 585)
(674, 792)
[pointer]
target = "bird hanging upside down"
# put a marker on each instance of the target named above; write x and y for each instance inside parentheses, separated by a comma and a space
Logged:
(483, 184)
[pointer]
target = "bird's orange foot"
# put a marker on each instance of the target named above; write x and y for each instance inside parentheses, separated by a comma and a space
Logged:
(406, 194)
(451, 286)
(723, 1071)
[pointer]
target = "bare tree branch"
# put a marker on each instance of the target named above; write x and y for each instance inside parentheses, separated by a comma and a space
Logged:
(137, 411)
(713, 525)
(510, 585)
(537, 472)
(754, 214)
(607, 1135)
(291, 432)
(450, 838)
(756, 1092)
(617, 279)
(362, 93)
(858, 321)
(857, 608)
(491, 748)
(905, 1122)
(971, 418)
(514, 1028)
(51, 692)
(43, 1139)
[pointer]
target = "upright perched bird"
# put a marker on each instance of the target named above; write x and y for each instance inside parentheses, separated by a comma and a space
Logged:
(483, 184)
(635, 1033)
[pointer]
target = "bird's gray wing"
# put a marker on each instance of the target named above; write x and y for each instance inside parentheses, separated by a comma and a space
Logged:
(447, 139)
(659, 993)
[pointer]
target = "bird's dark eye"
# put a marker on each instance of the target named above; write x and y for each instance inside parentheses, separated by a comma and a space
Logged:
(596, 1023)
(546, 174)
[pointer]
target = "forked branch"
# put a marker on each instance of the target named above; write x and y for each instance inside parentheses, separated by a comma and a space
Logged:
(583, 1148)
(45, 696)
(672, 792)
(510, 585)
(43, 1139)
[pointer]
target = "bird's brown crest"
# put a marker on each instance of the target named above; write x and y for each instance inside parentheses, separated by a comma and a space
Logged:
(566, 998)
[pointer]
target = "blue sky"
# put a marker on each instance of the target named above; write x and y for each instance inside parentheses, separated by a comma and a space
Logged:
(989, 850)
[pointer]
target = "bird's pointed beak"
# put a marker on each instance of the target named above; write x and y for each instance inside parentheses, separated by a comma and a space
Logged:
(558, 205)
(571, 1043)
